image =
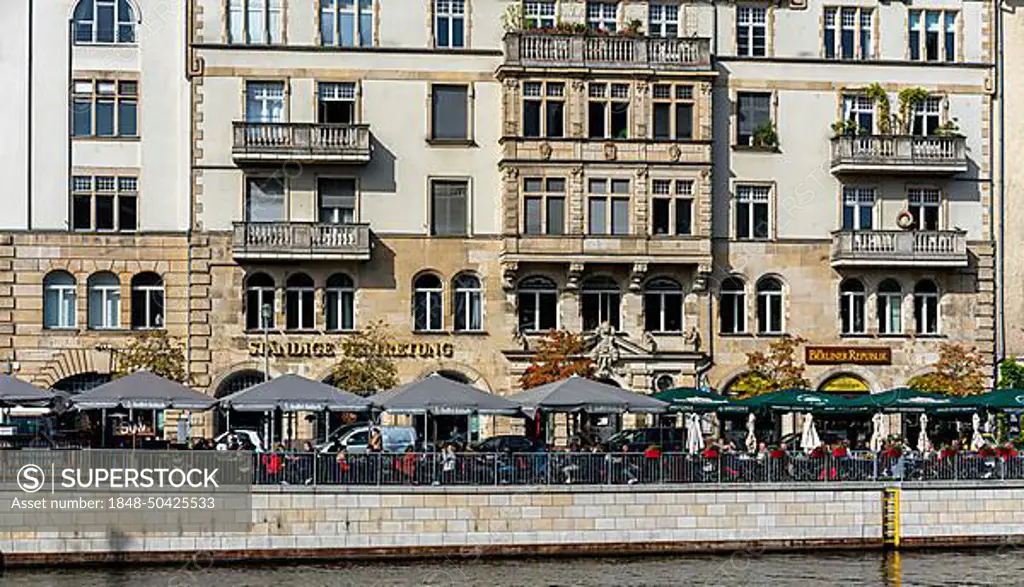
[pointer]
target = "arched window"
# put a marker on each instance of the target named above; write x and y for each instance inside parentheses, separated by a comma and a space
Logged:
(926, 307)
(599, 302)
(104, 21)
(538, 304)
(340, 302)
(259, 292)
(732, 313)
(59, 300)
(663, 306)
(769, 306)
(298, 302)
(468, 303)
(851, 306)
(890, 302)
(427, 304)
(104, 300)
(80, 382)
(238, 381)
(147, 301)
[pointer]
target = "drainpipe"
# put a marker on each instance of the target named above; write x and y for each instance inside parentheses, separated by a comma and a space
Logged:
(1000, 349)
(31, 118)
(70, 85)
(190, 191)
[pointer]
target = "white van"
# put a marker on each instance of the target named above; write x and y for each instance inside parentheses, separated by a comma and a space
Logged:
(355, 439)
(223, 441)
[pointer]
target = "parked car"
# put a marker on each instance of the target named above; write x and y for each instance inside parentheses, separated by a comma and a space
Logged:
(638, 439)
(508, 443)
(242, 436)
(356, 438)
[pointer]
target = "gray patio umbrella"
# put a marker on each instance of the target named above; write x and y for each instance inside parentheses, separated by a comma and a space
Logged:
(577, 394)
(142, 391)
(437, 395)
(294, 393)
(15, 391)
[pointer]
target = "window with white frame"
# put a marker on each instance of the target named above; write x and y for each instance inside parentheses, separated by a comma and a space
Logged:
(346, 23)
(147, 301)
(608, 206)
(337, 200)
(339, 303)
(672, 207)
(732, 311)
(59, 300)
(264, 101)
(104, 309)
(858, 208)
(890, 307)
(298, 303)
(932, 35)
(663, 306)
(468, 303)
(673, 111)
(538, 14)
(543, 109)
(259, 293)
(336, 102)
(256, 22)
(449, 207)
(848, 32)
(449, 24)
(663, 19)
(105, 108)
(608, 110)
(769, 306)
(851, 306)
(104, 202)
(926, 307)
(104, 21)
(751, 31)
(264, 200)
(601, 16)
(927, 116)
(924, 205)
(537, 301)
(753, 112)
(753, 218)
(600, 300)
(861, 110)
(427, 303)
(544, 205)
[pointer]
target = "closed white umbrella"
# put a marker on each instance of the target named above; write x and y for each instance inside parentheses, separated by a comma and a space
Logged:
(751, 440)
(977, 440)
(924, 444)
(809, 439)
(877, 434)
(990, 424)
(694, 437)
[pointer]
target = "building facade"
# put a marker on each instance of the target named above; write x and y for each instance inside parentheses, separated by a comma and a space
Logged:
(683, 182)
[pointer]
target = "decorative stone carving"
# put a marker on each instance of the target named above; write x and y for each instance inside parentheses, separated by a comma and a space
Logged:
(605, 353)
(545, 150)
(578, 86)
(577, 172)
(650, 343)
(636, 277)
(510, 173)
(692, 339)
(675, 152)
(700, 283)
(704, 173)
(572, 278)
(641, 89)
(641, 173)
(577, 129)
(611, 152)
(519, 339)
(509, 271)
(511, 84)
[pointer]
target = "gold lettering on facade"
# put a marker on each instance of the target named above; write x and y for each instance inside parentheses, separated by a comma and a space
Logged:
(318, 349)
(818, 355)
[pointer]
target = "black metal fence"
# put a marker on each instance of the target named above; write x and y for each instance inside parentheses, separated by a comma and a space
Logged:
(561, 468)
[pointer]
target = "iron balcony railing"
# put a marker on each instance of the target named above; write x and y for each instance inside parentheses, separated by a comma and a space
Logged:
(900, 247)
(899, 152)
(301, 240)
(305, 141)
(541, 49)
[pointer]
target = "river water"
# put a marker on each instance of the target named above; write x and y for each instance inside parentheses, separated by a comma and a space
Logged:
(933, 568)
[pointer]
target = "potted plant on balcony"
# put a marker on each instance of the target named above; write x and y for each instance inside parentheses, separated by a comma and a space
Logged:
(846, 128)
(632, 29)
(948, 129)
(878, 95)
(909, 99)
(764, 136)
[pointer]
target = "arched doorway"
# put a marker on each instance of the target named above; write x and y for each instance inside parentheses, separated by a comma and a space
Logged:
(80, 382)
(457, 376)
(845, 383)
(89, 423)
(855, 429)
(234, 383)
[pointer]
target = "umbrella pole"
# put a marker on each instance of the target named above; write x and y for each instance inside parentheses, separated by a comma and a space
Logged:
(103, 427)
(327, 425)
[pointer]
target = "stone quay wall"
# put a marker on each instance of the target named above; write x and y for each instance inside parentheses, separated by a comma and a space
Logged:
(292, 523)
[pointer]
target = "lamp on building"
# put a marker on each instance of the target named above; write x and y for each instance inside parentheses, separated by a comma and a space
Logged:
(266, 313)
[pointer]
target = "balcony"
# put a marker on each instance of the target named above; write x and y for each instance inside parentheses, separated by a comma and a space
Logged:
(580, 248)
(926, 248)
(540, 49)
(305, 142)
(899, 154)
(301, 241)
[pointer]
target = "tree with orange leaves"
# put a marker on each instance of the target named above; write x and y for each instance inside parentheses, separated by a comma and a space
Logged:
(773, 370)
(957, 372)
(559, 356)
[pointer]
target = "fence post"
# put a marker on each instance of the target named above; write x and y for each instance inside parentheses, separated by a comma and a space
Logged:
(316, 457)
(874, 466)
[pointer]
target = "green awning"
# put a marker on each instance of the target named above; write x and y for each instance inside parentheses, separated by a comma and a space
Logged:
(906, 400)
(692, 399)
(998, 399)
(800, 400)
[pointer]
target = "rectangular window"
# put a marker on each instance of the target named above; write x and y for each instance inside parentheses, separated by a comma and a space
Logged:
(608, 206)
(858, 208)
(337, 200)
(753, 111)
(255, 22)
(104, 108)
(104, 203)
(608, 112)
(449, 113)
(751, 31)
(927, 116)
(336, 102)
(449, 205)
(346, 23)
(264, 101)
(663, 20)
(543, 109)
(544, 205)
(924, 206)
(932, 35)
(861, 110)
(538, 14)
(848, 33)
(601, 16)
(672, 207)
(752, 212)
(264, 200)
(450, 23)
(673, 112)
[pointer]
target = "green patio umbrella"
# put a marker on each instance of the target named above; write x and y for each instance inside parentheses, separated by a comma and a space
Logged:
(906, 400)
(997, 399)
(692, 399)
(799, 400)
